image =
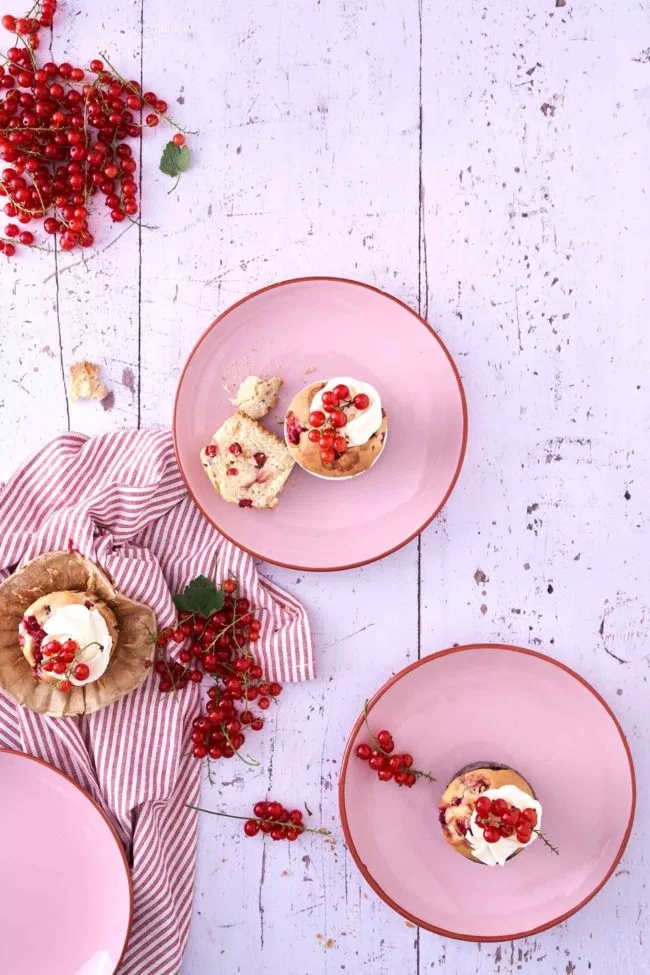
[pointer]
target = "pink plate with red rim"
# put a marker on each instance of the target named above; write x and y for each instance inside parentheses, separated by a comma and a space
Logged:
(65, 897)
(513, 707)
(316, 328)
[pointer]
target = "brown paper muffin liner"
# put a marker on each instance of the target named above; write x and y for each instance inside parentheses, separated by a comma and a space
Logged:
(131, 656)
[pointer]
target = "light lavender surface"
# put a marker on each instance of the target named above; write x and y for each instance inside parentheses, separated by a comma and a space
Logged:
(489, 165)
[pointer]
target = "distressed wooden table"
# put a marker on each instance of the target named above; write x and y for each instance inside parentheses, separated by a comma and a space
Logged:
(488, 164)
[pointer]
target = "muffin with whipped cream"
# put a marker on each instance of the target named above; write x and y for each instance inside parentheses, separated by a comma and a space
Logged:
(67, 638)
(70, 642)
(489, 813)
(336, 428)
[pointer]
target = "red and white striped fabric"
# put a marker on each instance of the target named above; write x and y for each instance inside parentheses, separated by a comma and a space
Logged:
(121, 500)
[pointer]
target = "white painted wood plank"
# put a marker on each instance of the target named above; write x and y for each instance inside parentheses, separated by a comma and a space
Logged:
(98, 287)
(291, 105)
(536, 224)
(303, 97)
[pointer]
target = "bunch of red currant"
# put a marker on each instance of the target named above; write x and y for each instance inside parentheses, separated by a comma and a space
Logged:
(218, 646)
(271, 818)
(274, 819)
(59, 658)
(327, 424)
(497, 819)
(63, 136)
(389, 767)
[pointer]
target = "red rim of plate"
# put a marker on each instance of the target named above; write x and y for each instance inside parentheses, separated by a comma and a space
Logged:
(346, 828)
(461, 458)
(127, 869)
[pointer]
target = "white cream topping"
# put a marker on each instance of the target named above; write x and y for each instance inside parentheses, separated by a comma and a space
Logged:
(88, 628)
(362, 423)
(493, 854)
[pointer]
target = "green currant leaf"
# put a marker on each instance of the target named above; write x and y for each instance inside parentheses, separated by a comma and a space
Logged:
(200, 596)
(182, 158)
(174, 160)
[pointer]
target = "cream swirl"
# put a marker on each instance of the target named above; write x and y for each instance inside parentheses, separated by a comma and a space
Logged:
(493, 854)
(88, 628)
(361, 423)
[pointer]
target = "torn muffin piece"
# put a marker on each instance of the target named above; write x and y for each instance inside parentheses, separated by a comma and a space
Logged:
(256, 397)
(84, 382)
(247, 464)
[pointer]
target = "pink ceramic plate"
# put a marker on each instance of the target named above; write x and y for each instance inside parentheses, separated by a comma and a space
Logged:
(507, 705)
(66, 895)
(305, 330)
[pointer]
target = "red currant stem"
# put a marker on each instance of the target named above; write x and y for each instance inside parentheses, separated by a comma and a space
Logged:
(210, 779)
(175, 184)
(151, 108)
(93, 643)
(425, 775)
(246, 759)
(374, 740)
(322, 831)
(548, 843)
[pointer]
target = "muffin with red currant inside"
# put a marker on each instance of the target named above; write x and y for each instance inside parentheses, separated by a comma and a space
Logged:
(67, 638)
(336, 429)
(489, 813)
(246, 463)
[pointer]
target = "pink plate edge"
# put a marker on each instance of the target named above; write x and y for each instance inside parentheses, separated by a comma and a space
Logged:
(346, 828)
(461, 390)
(127, 870)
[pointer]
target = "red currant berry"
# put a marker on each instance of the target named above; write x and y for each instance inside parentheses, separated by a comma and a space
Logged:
(340, 445)
(251, 827)
(385, 740)
(82, 672)
(59, 667)
(313, 436)
(364, 752)
(384, 775)
(511, 816)
(524, 833)
(491, 834)
(178, 139)
(361, 401)
(327, 456)
(506, 830)
(529, 816)
(483, 806)
(316, 419)
(330, 401)
(498, 807)
(338, 419)
(229, 586)
(65, 686)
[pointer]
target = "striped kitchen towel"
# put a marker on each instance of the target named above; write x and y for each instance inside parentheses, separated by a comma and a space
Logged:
(121, 500)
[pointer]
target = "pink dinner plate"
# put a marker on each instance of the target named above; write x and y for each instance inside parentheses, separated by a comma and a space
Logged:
(315, 328)
(65, 896)
(517, 708)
